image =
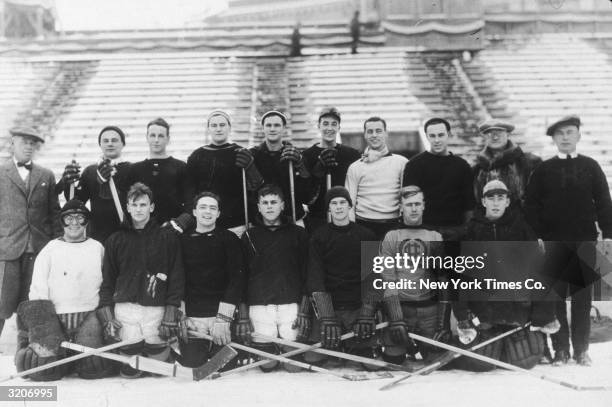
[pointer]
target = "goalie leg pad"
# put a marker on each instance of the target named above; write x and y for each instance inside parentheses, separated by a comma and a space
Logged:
(492, 350)
(45, 332)
(524, 348)
(89, 333)
(27, 358)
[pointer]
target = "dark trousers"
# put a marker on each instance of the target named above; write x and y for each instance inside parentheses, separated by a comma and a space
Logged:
(15, 280)
(575, 270)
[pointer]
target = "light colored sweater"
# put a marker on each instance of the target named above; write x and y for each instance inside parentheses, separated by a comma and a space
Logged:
(374, 187)
(68, 274)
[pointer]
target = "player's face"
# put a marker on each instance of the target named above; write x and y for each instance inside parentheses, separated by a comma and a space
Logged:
(157, 138)
(329, 128)
(207, 212)
(412, 209)
(270, 207)
(566, 138)
(140, 209)
(495, 205)
(74, 227)
(496, 139)
(438, 138)
(111, 145)
(273, 129)
(24, 148)
(339, 209)
(375, 135)
(218, 129)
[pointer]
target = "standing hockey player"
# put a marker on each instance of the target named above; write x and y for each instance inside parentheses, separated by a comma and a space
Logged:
(374, 181)
(94, 184)
(143, 283)
(29, 218)
(214, 280)
(66, 280)
(165, 175)
(566, 195)
(327, 161)
(445, 179)
(336, 283)
(272, 158)
(420, 310)
(276, 253)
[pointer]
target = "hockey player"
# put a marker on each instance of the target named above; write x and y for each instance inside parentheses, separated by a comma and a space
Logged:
(272, 159)
(143, 283)
(165, 175)
(94, 184)
(420, 310)
(336, 284)
(445, 179)
(66, 280)
(214, 280)
(327, 158)
(276, 253)
(499, 227)
(566, 195)
(29, 217)
(374, 181)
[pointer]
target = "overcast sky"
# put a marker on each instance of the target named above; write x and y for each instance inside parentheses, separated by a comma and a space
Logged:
(126, 14)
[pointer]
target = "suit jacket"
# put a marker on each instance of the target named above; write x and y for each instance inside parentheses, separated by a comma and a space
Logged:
(29, 214)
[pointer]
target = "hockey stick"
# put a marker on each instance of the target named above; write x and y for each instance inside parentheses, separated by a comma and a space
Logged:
(292, 190)
(448, 357)
(327, 188)
(113, 188)
(73, 358)
(245, 200)
(505, 365)
(294, 352)
(164, 368)
(283, 359)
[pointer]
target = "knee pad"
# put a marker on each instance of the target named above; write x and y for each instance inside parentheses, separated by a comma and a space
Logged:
(524, 348)
(96, 367)
(158, 352)
(269, 348)
(492, 350)
(27, 358)
(194, 353)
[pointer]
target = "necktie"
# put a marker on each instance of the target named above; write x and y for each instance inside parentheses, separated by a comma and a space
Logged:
(27, 166)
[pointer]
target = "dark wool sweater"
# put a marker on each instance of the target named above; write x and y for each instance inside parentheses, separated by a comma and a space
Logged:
(511, 227)
(168, 180)
(104, 218)
(345, 156)
(213, 168)
(214, 271)
(335, 263)
(566, 197)
(512, 166)
(446, 182)
(131, 256)
(277, 260)
(274, 172)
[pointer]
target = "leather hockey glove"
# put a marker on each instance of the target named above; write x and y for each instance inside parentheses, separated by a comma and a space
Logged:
(105, 171)
(221, 331)
(243, 327)
(110, 324)
(303, 321)
(180, 224)
(398, 330)
(365, 324)
(325, 162)
(244, 158)
(72, 173)
(443, 333)
(170, 324)
(329, 324)
(290, 153)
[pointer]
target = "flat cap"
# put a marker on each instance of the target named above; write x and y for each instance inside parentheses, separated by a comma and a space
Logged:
(494, 187)
(495, 124)
(572, 120)
(27, 132)
(330, 111)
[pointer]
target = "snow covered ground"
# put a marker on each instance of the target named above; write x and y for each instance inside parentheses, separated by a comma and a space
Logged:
(448, 388)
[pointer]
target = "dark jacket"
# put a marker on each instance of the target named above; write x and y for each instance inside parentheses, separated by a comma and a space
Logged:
(132, 256)
(512, 166)
(277, 259)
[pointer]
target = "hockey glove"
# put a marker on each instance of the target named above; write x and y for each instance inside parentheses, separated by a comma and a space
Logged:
(325, 162)
(180, 224)
(221, 332)
(290, 153)
(443, 333)
(72, 173)
(105, 171)
(466, 331)
(110, 325)
(330, 328)
(303, 321)
(244, 158)
(365, 324)
(170, 323)
(243, 326)
(398, 330)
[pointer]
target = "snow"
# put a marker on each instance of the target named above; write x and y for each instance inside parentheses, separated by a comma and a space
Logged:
(458, 388)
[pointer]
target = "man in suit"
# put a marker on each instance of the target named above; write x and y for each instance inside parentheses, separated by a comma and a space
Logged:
(29, 218)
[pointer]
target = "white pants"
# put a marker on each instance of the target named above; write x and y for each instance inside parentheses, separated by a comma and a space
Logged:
(138, 320)
(202, 325)
(274, 320)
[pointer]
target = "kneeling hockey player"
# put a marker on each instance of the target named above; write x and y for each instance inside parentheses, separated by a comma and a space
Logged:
(143, 283)
(63, 299)
(484, 318)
